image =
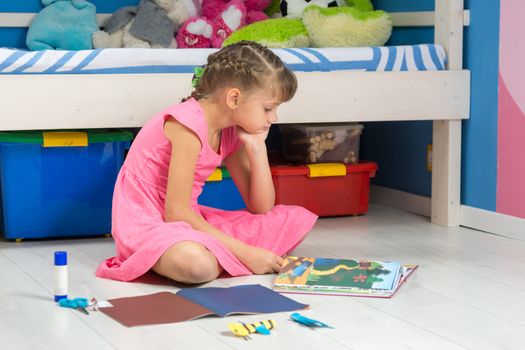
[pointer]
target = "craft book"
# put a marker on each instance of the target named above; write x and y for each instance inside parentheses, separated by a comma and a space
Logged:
(341, 276)
(190, 303)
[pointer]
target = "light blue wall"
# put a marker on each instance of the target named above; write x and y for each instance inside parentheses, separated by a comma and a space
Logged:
(400, 147)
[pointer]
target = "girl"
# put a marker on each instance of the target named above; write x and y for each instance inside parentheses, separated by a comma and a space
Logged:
(157, 223)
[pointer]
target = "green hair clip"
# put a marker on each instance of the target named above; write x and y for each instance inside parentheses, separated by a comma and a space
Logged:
(197, 74)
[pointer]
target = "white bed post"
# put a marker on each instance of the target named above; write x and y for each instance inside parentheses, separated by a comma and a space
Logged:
(446, 135)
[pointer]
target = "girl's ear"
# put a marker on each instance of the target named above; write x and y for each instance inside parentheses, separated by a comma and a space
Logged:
(233, 96)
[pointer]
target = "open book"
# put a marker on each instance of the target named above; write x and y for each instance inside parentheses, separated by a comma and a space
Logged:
(190, 303)
(341, 276)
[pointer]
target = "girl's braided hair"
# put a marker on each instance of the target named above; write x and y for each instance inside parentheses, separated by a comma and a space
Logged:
(248, 66)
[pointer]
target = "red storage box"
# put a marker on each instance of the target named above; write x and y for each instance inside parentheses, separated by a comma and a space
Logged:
(325, 189)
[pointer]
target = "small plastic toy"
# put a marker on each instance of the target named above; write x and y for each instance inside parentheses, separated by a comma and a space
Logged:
(79, 304)
(309, 322)
(243, 330)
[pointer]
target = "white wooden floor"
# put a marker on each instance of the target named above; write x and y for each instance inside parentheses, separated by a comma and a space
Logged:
(469, 293)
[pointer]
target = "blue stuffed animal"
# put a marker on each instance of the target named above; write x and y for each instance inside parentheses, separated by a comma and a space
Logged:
(63, 25)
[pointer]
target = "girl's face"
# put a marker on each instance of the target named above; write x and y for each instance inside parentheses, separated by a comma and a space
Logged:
(256, 112)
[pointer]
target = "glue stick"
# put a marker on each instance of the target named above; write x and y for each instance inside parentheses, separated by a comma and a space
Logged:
(60, 275)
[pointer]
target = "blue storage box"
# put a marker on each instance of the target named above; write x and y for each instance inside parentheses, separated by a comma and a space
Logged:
(56, 184)
(220, 192)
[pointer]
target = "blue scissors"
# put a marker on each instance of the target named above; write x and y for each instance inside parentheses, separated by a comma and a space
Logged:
(79, 304)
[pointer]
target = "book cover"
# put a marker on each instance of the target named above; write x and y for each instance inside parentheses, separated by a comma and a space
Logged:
(191, 303)
(341, 276)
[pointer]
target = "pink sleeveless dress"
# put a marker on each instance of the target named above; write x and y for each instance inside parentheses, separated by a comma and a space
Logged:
(138, 227)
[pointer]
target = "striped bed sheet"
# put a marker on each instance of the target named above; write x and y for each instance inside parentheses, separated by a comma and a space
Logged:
(424, 57)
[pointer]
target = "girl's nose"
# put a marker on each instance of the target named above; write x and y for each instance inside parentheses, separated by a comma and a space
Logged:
(273, 118)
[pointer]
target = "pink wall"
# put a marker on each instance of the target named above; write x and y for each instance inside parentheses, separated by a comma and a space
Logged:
(510, 197)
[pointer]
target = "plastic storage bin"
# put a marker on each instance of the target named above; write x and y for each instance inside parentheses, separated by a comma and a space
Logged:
(56, 184)
(321, 143)
(220, 192)
(325, 189)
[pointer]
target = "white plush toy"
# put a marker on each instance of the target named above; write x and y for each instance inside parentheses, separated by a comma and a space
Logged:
(151, 24)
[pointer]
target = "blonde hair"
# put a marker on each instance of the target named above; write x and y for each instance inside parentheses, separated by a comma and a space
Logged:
(248, 66)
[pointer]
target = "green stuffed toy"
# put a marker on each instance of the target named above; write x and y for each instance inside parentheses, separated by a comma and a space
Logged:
(347, 26)
(274, 32)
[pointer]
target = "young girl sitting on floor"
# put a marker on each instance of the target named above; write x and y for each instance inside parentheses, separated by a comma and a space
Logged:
(157, 223)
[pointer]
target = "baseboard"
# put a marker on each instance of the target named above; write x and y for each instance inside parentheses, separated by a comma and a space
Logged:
(478, 219)
(410, 202)
(493, 222)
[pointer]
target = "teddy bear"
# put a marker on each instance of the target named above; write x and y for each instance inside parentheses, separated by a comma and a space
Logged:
(356, 24)
(63, 25)
(218, 20)
(151, 24)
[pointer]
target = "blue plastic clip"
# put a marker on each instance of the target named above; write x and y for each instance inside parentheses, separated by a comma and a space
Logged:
(78, 303)
(309, 322)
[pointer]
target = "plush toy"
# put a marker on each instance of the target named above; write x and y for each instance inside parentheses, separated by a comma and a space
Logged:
(223, 18)
(273, 32)
(151, 24)
(254, 9)
(295, 8)
(346, 26)
(273, 10)
(196, 31)
(63, 25)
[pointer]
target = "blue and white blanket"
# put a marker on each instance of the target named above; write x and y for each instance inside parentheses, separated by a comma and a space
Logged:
(135, 61)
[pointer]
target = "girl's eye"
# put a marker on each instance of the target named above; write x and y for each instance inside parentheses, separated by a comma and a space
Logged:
(267, 110)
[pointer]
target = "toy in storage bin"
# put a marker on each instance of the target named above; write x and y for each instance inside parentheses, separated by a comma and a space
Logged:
(56, 184)
(321, 143)
(220, 192)
(326, 189)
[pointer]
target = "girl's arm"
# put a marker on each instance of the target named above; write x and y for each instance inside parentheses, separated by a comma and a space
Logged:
(185, 150)
(251, 173)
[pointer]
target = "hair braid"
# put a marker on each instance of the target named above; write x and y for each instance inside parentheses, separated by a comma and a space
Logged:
(247, 65)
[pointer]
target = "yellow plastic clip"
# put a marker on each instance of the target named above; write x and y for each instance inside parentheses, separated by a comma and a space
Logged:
(326, 169)
(216, 175)
(244, 330)
(65, 139)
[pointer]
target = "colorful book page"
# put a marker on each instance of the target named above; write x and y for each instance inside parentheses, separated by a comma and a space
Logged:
(339, 276)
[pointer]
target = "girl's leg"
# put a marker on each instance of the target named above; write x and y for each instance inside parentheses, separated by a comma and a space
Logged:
(188, 262)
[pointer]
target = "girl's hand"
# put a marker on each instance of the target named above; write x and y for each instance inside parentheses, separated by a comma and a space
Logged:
(261, 261)
(253, 140)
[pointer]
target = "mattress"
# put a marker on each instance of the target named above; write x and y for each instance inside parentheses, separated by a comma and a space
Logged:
(423, 57)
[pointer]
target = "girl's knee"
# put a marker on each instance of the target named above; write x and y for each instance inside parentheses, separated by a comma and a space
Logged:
(188, 262)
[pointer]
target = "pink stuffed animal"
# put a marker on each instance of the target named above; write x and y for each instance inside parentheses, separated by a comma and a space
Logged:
(223, 17)
(196, 32)
(254, 9)
(231, 18)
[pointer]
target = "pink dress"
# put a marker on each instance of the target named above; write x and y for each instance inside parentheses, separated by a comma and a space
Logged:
(138, 227)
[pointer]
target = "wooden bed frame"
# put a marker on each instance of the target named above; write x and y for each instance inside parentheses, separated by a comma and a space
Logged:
(126, 100)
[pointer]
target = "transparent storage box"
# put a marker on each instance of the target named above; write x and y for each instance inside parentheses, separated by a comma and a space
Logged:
(321, 143)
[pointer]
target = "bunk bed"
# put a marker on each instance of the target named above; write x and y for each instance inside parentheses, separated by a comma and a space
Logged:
(98, 98)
